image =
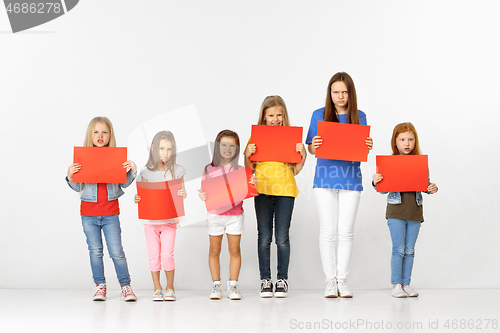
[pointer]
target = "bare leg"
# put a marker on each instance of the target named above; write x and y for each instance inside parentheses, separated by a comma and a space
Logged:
(233, 245)
(156, 280)
(170, 279)
(213, 256)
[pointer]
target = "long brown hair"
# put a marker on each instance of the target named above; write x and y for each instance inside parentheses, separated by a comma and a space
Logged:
(403, 128)
(154, 162)
(90, 131)
(352, 103)
(216, 157)
(269, 102)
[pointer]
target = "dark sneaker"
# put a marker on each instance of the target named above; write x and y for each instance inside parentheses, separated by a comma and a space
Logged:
(281, 288)
(266, 288)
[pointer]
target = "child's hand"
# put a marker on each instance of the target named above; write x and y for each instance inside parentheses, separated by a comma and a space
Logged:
(137, 198)
(182, 193)
(253, 180)
(377, 178)
(130, 165)
(299, 147)
(251, 149)
(317, 141)
(369, 143)
(73, 168)
(202, 195)
(432, 188)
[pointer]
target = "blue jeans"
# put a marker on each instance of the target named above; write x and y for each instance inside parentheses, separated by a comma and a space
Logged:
(404, 236)
(279, 208)
(110, 225)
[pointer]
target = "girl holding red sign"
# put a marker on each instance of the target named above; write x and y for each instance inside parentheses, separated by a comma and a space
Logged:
(277, 192)
(100, 213)
(225, 219)
(160, 234)
(337, 186)
(404, 215)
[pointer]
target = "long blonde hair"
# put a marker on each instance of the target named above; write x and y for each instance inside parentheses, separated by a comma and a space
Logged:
(154, 162)
(90, 132)
(269, 102)
(403, 128)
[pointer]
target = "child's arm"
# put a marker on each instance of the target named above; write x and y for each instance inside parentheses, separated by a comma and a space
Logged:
(202, 195)
(137, 198)
(376, 179)
(369, 143)
(432, 188)
(73, 168)
(182, 192)
(298, 167)
(131, 173)
(251, 149)
(316, 142)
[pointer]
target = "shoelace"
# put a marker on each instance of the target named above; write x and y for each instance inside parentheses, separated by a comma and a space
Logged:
(342, 286)
(100, 289)
(266, 284)
(281, 284)
(216, 288)
(233, 290)
(330, 285)
(126, 290)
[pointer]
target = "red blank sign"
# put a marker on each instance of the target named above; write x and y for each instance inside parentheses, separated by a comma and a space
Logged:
(159, 200)
(403, 173)
(276, 143)
(100, 165)
(346, 142)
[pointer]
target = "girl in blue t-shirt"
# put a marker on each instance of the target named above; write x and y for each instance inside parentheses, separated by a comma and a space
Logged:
(337, 186)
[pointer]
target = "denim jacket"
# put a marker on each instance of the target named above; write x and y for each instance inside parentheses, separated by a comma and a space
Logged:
(394, 198)
(89, 190)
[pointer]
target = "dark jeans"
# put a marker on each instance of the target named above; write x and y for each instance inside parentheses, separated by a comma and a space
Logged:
(280, 208)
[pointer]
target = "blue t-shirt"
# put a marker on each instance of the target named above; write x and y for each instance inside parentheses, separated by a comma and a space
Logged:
(336, 174)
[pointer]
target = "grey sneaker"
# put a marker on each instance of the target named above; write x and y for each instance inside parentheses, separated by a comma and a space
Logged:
(216, 292)
(232, 290)
(398, 292)
(266, 288)
(281, 288)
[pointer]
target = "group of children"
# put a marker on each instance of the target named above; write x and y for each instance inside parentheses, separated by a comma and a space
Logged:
(337, 197)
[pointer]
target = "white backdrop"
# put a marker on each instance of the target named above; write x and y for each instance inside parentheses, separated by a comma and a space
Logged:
(434, 63)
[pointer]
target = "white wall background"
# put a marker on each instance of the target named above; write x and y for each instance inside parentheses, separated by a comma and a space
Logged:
(434, 63)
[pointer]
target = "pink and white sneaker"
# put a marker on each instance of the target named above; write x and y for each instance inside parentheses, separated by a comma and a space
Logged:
(100, 292)
(127, 294)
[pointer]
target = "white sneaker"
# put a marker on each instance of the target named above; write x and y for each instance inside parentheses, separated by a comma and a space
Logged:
(128, 295)
(398, 292)
(410, 292)
(216, 292)
(332, 289)
(232, 290)
(344, 291)
(170, 295)
(158, 295)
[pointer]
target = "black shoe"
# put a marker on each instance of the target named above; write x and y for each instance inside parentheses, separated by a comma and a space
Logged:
(281, 290)
(266, 288)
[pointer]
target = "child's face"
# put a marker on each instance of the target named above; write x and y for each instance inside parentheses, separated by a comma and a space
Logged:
(227, 147)
(274, 116)
(405, 142)
(101, 135)
(340, 97)
(165, 151)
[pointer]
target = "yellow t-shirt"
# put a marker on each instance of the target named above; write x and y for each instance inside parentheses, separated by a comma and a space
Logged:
(275, 178)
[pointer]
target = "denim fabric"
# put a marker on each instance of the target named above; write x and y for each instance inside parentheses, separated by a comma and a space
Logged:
(281, 208)
(404, 236)
(110, 225)
(89, 190)
(394, 198)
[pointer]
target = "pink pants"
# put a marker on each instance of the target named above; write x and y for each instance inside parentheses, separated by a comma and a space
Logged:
(160, 240)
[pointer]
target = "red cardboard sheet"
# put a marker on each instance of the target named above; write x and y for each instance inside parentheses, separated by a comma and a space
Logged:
(100, 165)
(345, 142)
(403, 173)
(159, 200)
(276, 143)
(226, 190)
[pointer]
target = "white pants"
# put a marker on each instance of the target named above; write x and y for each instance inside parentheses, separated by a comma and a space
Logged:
(337, 212)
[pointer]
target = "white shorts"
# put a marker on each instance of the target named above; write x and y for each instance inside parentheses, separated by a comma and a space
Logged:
(231, 224)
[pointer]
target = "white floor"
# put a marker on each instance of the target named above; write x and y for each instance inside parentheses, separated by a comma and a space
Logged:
(447, 310)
